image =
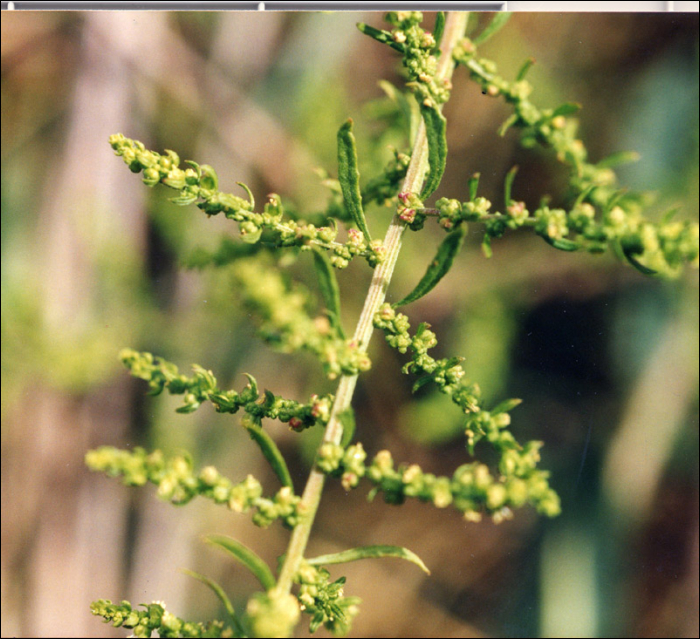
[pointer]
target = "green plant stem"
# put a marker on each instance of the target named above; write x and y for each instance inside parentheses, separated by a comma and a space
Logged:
(455, 27)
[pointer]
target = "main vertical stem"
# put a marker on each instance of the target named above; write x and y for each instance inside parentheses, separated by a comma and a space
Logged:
(454, 30)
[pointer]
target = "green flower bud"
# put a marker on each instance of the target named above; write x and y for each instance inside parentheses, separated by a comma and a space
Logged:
(496, 496)
(209, 475)
(517, 492)
(441, 492)
(151, 177)
(482, 477)
(329, 457)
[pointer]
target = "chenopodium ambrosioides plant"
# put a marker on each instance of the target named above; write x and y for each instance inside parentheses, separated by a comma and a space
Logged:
(600, 216)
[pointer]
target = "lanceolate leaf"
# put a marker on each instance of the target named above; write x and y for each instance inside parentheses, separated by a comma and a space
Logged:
(328, 284)
(269, 450)
(250, 194)
(568, 108)
(524, 69)
(439, 266)
(645, 270)
(349, 177)
(380, 36)
(616, 159)
(219, 592)
(436, 133)
(420, 382)
(486, 247)
(347, 419)
(473, 186)
(510, 121)
(493, 27)
(562, 244)
(510, 176)
(439, 28)
(506, 406)
(369, 552)
(246, 556)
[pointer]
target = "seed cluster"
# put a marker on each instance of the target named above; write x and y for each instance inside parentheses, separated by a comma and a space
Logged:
(472, 488)
(178, 483)
(324, 601)
(418, 48)
(603, 214)
(199, 184)
(155, 618)
(202, 386)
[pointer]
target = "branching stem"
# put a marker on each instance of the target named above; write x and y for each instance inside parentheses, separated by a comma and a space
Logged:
(454, 30)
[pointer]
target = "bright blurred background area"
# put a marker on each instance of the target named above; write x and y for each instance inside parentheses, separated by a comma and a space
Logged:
(605, 359)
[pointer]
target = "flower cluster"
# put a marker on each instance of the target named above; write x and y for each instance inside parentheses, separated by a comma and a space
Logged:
(202, 386)
(660, 248)
(428, 80)
(324, 601)
(178, 483)
(418, 48)
(473, 489)
(199, 184)
(286, 323)
(519, 477)
(446, 373)
(156, 618)
(549, 127)
(652, 248)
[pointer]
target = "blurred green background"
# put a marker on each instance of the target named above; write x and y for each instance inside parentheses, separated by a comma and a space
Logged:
(605, 359)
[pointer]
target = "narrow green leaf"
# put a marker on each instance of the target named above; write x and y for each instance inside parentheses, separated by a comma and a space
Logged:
(439, 267)
(369, 552)
(380, 36)
(506, 406)
(420, 382)
(562, 244)
(250, 194)
(439, 28)
(510, 176)
(486, 247)
(349, 177)
(269, 450)
(436, 133)
(252, 383)
(328, 284)
(219, 592)
(347, 419)
(473, 186)
(568, 108)
(524, 69)
(492, 28)
(584, 194)
(472, 23)
(509, 122)
(246, 556)
(616, 159)
(613, 200)
(645, 270)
